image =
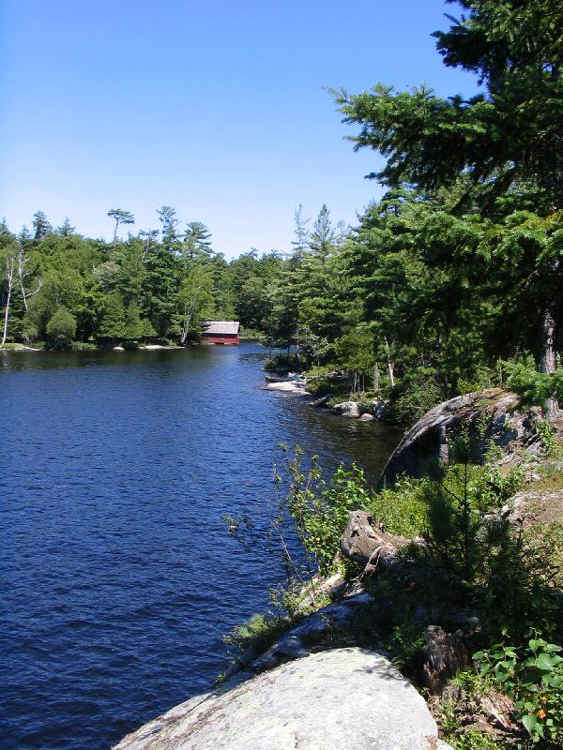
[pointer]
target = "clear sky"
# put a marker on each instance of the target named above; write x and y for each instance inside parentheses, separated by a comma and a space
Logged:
(215, 108)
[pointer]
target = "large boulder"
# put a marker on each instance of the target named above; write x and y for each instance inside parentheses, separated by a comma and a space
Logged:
(345, 698)
(347, 409)
(427, 440)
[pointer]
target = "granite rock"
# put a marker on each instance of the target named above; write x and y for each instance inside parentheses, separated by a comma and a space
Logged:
(345, 698)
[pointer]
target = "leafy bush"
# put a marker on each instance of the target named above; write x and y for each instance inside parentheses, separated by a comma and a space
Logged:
(402, 509)
(533, 676)
(29, 330)
(533, 387)
(547, 436)
(415, 395)
(284, 362)
(474, 740)
(83, 346)
(405, 645)
(320, 509)
(259, 632)
(61, 329)
(459, 533)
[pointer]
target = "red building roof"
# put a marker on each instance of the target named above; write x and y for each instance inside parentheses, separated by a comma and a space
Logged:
(221, 328)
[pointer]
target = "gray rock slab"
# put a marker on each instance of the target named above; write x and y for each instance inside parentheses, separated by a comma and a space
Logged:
(424, 440)
(347, 409)
(345, 698)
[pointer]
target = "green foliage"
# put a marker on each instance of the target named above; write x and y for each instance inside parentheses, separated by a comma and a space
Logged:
(404, 645)
(320, 509)
(402, 509)
(514, 48)
(284, 362)
(416, 394)
(61, 329)
(533, 676)
(258, 633)
(548, 437)
(113, 318)
(533, 387)
(472, 739)
(472, 689)
(459, 534)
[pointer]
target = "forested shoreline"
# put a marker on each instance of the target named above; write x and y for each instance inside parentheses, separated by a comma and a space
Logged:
(449, 282)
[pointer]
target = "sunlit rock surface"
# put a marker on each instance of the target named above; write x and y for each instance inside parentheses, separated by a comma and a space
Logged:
(345, 698)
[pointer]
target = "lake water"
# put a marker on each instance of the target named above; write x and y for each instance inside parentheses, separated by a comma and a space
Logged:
(117, 574)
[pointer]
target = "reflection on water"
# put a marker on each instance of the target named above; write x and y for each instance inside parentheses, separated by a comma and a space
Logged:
(118, 576)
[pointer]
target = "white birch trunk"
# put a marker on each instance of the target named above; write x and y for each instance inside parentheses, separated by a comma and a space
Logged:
(21, 274)
(376, 378)
(390, 372)
(186, 328)
(547, 360)
(10, 268)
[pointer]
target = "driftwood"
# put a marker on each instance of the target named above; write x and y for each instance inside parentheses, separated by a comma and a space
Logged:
(365, 541)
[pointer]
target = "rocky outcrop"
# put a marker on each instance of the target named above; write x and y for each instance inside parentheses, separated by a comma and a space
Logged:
(365, 411)
(345, 698)
(427, 441)
(349, 409)
(288, 386)
(313, 631)
(365, 542)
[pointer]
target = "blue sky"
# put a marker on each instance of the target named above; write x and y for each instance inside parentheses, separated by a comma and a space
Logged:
(215, 108)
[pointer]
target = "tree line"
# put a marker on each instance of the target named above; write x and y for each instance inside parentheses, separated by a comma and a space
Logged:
(60, 287)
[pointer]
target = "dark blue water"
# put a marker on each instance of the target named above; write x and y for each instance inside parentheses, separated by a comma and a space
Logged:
(117, 575)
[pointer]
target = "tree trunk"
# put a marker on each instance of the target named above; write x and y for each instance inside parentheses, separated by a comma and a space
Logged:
(443, 448)
(186, 328)
(376, 378)
(21, 274)
(389, 364)
(10, 264)
(547, 360)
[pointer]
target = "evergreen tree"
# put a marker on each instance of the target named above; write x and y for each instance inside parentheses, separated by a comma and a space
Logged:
(114, 321)
(197, 239)
(41, 225)
(120, 217)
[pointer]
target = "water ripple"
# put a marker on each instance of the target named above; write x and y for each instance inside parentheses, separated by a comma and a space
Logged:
(117, 575)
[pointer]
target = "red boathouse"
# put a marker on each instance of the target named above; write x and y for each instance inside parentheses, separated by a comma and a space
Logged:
(221, 332)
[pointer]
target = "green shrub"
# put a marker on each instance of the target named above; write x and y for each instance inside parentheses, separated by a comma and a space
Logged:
(548, 437)
(259, 632)
(83, 346)
(414, 395)
(402, 509)
(284, 362)
(533, 677)
(61, 329)
(533, 387)
(474, 740)
(320, 509)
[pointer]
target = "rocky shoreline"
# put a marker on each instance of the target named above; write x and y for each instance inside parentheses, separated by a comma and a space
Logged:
(322, 683)
(296, 384)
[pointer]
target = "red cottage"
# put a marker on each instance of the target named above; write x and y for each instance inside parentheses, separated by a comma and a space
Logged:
(221, 332)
